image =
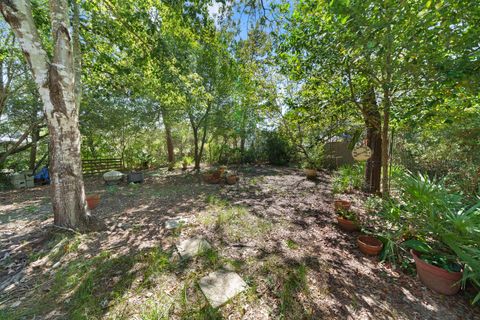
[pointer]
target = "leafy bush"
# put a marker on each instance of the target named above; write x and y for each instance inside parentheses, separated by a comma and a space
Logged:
(348, 178)
(277, 149)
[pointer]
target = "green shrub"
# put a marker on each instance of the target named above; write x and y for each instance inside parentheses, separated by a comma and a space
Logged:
(435, 222)
(277, 149)
(348, 178)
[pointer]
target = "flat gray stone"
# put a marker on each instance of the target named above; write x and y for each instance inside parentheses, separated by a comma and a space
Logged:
(220, 286)
(175, 223)
(191, 247)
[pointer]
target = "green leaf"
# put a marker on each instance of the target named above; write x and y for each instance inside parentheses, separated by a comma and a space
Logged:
(417, 245)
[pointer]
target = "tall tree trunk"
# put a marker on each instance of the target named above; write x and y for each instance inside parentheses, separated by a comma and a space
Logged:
(195, 149)
(77, 54)
(373, 120)
(33, 149)
(168, 136)
(385, 142)
(200, 153)
(55, 82)
(386, 86)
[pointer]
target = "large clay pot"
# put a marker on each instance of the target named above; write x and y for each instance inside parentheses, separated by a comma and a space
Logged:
(92, 201)
(311, 173)
(435, 278)
(342, 205)
(347, 225)
(369, 245)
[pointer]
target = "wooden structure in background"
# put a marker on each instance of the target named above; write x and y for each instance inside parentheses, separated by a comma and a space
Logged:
(92, 166)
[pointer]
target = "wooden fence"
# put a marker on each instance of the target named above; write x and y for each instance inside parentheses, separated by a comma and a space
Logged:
(92, 166)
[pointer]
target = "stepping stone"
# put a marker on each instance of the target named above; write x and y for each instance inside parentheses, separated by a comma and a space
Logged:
(175, 223)
(191, 247)
(220, 286)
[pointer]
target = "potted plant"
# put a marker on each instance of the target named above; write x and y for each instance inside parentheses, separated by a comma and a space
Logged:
(438, 269)
(311, 173)
(92, 201)
(347, 220)
(310, 166)
(369, 245)
(186, 161)
(212, 177)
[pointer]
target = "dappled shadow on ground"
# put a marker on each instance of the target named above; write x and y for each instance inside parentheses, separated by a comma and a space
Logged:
(274, 227)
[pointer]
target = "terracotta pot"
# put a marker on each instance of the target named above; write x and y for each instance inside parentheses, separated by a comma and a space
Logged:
(92, 201)
(437, 279)
(232, 179)
(369, 245)
(310, 173)
(347, 225)
(212, 178)
(342, 205)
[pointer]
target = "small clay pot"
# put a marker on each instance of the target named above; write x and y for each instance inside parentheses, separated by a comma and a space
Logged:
(232, 179)
(347, 225)
(369, 245)
(435, 278)
(310, 173)
(92, 201)
(344, 205)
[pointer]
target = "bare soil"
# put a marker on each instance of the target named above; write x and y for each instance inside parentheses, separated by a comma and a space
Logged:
(274, 227)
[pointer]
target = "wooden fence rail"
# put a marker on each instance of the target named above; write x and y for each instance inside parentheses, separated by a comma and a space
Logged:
(92, 166)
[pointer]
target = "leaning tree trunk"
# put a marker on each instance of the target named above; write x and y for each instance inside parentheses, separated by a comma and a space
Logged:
(373, 121)
(55, 82)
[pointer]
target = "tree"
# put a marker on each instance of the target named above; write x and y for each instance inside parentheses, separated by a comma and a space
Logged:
(55, 81)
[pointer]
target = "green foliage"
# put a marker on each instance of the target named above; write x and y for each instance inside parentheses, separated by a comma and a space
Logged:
(434, 221)
(349, 178)
(277, 149)
(347, 214)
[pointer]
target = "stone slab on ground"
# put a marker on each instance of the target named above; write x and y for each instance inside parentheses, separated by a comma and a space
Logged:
(220, 286)
(191, 247)
(175, 223)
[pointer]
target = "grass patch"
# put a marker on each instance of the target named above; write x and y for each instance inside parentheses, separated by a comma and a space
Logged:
(87, 288)
(291, 244)
(295, 281)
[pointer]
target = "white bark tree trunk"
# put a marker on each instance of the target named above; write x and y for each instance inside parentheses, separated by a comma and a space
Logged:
(55, 81)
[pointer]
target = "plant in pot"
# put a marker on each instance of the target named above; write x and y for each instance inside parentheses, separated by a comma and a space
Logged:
(438, 268)
(347, 220)
(212, 177)
(231, 177)
(186, 161)
(310, 166)
(445, 247)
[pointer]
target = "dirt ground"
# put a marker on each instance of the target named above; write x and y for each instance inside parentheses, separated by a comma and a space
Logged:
(274, 227)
